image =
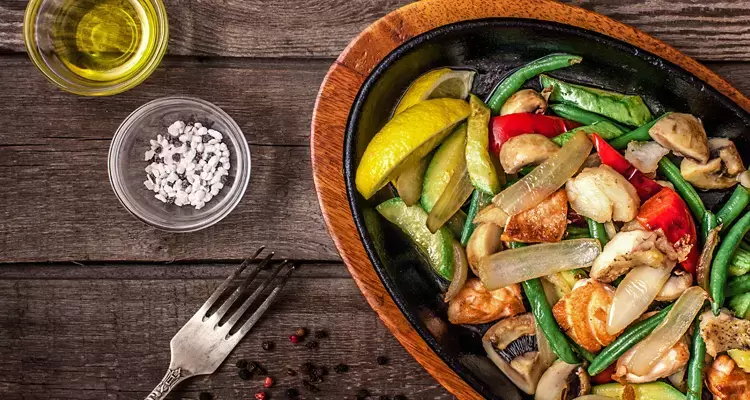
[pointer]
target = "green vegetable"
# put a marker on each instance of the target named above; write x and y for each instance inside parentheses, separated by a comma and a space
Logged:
(526, 170)
(624, 342)
(733, 207)
(683, 188)
(740, 264)
(724, 255)
(597, 231)
(585, 354)
(643, 391)
(639, 134)
(584, 117)
(448, 157)
(740, 305)
(479, 200)
(695, 364)
(481, 170)
(512, 83)
(708, 224)
(577, 232)
(412, 220)
(546, 321)
(738, 285)
(456, 224)
(630, 110)
(605, 129)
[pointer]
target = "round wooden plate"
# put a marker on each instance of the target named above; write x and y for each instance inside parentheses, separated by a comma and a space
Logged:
(348, 73)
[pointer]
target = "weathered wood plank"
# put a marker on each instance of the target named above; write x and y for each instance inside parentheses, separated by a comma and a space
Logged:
(322, 28)
(103, 331)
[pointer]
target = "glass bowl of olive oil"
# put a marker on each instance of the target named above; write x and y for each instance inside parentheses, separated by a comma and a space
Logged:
(96, 47)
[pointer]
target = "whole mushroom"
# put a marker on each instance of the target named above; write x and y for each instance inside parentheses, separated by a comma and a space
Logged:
(526, 149)
(720, 172)
(524, 101)
(683, 134)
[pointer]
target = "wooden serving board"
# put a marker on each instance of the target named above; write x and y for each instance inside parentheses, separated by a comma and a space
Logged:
(348, 73)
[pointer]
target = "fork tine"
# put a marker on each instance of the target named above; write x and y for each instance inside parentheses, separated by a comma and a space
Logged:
(240, 311)
(240, 289)
(264, 306)
(217, 293)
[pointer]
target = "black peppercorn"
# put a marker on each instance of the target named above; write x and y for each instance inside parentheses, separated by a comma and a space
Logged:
(206, 138)
(362, 394)
(312, 345)
(321, 371)
(341, 368)
(205, 396)
(241, 364)
(268, 345)
(321, 334)
(382, 360)
(157, 150)
(245, 374)
(176, 157)
(292, 393)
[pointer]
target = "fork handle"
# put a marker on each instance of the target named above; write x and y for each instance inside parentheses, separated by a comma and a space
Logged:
(170, 380)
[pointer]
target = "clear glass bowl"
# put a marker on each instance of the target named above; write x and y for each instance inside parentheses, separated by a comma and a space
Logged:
(39, 38)
(126, 163)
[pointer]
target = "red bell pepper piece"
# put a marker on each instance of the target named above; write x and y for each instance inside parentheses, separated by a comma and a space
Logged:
(505, 127)
(645, 186)
(605, 376)
(667, 211)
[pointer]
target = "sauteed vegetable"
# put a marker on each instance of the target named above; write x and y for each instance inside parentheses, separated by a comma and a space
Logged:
(581, 201)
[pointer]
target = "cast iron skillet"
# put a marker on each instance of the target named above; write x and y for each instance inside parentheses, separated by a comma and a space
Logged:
(494, 47)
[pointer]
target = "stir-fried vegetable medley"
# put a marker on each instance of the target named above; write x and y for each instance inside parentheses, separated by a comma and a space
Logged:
(584, 203)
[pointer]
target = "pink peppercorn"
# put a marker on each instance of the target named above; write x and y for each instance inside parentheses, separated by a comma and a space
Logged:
(294, 339)
(268, 382)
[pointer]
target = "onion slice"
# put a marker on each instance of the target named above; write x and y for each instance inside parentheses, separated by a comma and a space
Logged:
(703, 269)
(460, 271)
(455, 194)
(517, 265)
(651, 350)
(634, 294)
(547, 178)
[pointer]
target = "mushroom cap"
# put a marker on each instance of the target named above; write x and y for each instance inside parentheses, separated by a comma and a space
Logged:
(526, 149)
(683, 134)
(524, 101)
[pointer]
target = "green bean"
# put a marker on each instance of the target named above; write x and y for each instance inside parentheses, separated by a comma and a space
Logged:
(685, 189)
(733, 207)
(628, 339)
(737, 286)
(710, 221)
(740, 264)
(724, 255)
(695, 365)
(582, 116)
(546, 321)
(585, 354)
(639, 134)
(479, 200)
(512, 83)
(597, 231)
(527, 170)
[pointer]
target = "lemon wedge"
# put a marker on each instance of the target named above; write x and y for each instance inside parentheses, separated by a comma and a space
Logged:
(439, 83)
(406, 138)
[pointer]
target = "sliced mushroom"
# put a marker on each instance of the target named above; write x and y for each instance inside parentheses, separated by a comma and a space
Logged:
(524, 101)
(673, 361)
(474, 304)
(603, 195)
(645, 155)
(513, 346)
(677, 284)
(563, 381)
(484, 241)
(629, 249)
(720, 172)
(683, 134)
(527, 149)
(724, 332)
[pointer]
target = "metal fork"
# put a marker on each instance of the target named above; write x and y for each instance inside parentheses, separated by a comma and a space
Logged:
(205, 341)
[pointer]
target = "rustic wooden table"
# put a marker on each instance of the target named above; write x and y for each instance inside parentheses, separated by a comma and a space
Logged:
(90, 297)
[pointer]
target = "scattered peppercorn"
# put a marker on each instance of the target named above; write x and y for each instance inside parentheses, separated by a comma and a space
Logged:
(294, 339)
(291, 372)
(242, 364)
(260, 396)
(309, 386)
(300, 332)
(245, 374)
(254, 366)
(157, 150)
(268, 382)
(268, 345)
(206, 138)
(321, 334)
(312, 345)
(341, 368)
(292, 393)
(362, 394)
(399, 397)
(205, 396)
(176, 157)
(382, 360)
(321, 371)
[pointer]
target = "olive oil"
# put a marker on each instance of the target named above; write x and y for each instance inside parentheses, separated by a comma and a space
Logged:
(103, 40)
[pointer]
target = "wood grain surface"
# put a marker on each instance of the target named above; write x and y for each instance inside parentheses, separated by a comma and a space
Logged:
(707, 30)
